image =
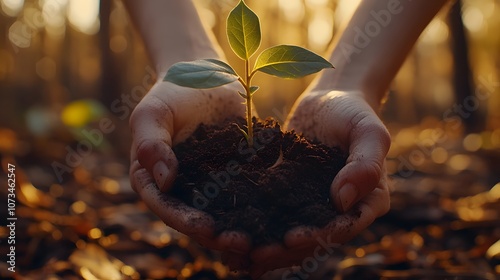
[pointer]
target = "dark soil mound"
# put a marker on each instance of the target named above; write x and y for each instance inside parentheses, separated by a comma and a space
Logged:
(280, 183)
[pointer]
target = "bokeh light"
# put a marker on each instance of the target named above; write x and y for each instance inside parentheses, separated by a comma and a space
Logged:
(81, 112)
(61, 71)
(12, 7)
(84, 15)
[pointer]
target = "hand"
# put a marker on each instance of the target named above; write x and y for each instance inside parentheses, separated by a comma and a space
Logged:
(359, 191)
(167, 115)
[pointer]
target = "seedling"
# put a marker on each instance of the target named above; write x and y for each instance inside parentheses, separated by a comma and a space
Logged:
(243, 33)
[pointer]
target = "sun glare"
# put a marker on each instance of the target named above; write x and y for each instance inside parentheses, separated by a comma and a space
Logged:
(84, 15)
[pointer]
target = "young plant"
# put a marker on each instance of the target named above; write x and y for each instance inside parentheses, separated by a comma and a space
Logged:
(243, 32)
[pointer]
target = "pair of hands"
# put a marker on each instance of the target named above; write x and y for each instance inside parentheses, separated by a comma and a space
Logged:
(168, 114)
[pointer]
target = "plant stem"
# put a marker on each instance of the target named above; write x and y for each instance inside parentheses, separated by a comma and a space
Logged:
(248, 78)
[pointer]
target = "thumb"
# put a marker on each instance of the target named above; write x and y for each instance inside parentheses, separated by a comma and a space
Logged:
(151, 124)
(369, 143)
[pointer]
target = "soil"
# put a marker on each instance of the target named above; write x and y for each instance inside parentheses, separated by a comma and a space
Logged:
(280, 183)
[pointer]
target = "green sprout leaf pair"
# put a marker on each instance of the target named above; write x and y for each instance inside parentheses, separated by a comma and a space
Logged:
(243, 32)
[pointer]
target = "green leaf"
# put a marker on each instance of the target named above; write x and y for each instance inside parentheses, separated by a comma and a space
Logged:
(243, 31)
(242, 94)
(290, 62)
(253, 89)
(203, 73)
(245, 134)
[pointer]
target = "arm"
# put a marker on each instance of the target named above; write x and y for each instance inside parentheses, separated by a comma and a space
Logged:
(367, 54)
(172, 32)
(339, 109)
(168, 114)
(375, 43)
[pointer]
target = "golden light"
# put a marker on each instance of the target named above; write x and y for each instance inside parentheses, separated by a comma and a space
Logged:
(495, 192)
(20, 34)
(79, 207)
(75, 114)
(53, 15)
(83, 15)
(316, 3)
(442, 91)
(31, 193)
(472, 142)
(436, 32)
(293, 10)
(108, 240)
(459, 162)
(344, 10)
(186, 272)
(417, 240)
(473, 19)
(127, 270)
(80, 112)
(12, 7)
(439, 155)
(95, 233)
(87, 274)
(110, 186)
(360, 252)
(320, 30)
(165, 238)
(406, 137)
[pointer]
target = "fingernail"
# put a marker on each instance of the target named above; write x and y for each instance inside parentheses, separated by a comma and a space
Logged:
(160, 171)
(347, 194)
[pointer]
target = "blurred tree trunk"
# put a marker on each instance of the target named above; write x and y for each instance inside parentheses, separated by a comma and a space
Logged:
(462, 76)
(110, 83)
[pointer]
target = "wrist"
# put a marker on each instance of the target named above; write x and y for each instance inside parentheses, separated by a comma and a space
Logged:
(352, 85)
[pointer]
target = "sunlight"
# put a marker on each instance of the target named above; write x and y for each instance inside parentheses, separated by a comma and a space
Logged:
(344, 10)
(436, 32)
(316, 3)
(292, 9)
(53, 15)
(320, 30)
(12, 7)
(84, 15)
(473, 19)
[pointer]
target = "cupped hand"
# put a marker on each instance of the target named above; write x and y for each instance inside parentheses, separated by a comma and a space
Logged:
(359, 191)
(167, 115)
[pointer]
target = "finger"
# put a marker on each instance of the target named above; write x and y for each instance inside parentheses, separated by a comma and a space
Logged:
(172, 211)
(187, 220)
(369, 144)
(303, 243)
(344, 227)
(231, 241)
(152, 126)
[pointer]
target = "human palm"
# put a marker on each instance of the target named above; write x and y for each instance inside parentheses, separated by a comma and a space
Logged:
(343, 119)
(167, 115)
